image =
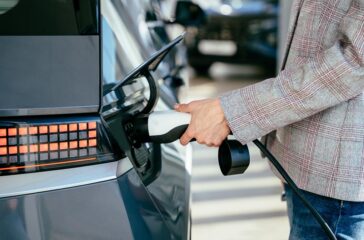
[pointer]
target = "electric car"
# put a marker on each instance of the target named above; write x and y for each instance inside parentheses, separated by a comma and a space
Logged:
(70, 167)
(236, 31)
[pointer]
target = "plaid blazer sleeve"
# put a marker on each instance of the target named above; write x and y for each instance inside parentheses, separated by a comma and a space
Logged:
(330, 77)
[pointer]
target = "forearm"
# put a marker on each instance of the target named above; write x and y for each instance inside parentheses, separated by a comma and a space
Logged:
(332, 77)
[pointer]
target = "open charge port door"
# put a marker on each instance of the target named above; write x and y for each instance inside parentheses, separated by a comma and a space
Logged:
(136, 95)
(145, 157)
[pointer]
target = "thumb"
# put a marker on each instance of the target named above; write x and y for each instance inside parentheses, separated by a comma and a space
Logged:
(184, 107)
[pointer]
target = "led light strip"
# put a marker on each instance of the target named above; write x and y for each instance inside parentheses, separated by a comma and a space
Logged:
(35, 143)
(34, 148)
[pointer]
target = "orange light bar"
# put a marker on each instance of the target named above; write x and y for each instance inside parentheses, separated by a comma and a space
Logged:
(48, 164)
(33, 148)
(38, 146)
(14, 140)
(63, 128)
(82, 126)
(23, 131)
(92, 134)
(3, 151)
(63, 145)
(2, 132)
(92, 143)
(12, 131)
(43, 129)
(73, 127)
(33, 130)
(3, 142)
(73, 144)
(82, 144)
(23, 149)
(53, 128)
(13, 150)
(53, 146)
(43, 147)
(92, 125)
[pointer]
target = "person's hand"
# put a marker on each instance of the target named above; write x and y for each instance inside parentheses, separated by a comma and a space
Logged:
(208, 124)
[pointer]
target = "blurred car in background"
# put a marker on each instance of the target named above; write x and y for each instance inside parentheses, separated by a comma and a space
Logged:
(236, 31)
(153, 22)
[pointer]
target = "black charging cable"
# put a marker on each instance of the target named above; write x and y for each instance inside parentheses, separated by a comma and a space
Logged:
(294, 187)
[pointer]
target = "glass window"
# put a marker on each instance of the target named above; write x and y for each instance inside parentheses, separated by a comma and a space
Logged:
(49, 17)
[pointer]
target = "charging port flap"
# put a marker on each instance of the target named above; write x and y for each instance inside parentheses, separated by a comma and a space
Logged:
(118, 117)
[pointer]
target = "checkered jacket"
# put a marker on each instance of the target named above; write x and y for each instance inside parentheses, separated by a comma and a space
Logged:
(315, 106)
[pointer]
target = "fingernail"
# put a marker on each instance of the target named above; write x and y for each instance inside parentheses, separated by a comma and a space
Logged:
(176, 106)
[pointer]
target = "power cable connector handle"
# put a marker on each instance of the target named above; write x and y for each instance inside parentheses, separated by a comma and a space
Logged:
(169, 126)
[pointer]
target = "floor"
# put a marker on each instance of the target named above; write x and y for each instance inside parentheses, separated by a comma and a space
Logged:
(244, 206)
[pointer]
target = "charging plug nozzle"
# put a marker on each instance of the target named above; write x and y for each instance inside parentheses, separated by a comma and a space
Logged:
(168, 126)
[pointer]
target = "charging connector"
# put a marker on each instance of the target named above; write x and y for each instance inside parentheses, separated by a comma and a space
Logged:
(168, 126)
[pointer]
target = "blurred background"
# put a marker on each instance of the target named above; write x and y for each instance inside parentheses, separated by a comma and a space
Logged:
(241, 42)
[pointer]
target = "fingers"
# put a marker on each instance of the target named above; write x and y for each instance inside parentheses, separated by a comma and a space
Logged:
(183, 107)
(201, 139)
(216, 142)
(187, 136)
(208, 125)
